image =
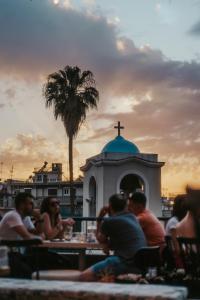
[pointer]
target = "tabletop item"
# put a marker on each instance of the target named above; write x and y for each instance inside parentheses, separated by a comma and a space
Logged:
(4, 264)
(68, 233)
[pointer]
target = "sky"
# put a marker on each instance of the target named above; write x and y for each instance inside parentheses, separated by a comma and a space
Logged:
(145, 57)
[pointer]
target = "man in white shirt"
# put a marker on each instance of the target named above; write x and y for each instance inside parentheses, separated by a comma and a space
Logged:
(17, 224)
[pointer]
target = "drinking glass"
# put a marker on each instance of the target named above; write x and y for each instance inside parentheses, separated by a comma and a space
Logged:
(4, 263)
(68, 233)
(82, 237)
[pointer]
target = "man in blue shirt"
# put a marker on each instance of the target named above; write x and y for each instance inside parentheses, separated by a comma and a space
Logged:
(119, 232)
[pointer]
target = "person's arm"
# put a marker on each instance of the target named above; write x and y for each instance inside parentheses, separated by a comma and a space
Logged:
(102, 231)
(23, 232)
(51, 233)
(37, 225)
(68, 222)
(102, 238)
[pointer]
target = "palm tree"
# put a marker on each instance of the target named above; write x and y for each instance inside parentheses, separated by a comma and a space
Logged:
(71, 93)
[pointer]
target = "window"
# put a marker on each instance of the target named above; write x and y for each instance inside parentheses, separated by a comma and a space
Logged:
(52, 179)
(66, 191)
(39, 178)
(52, 192)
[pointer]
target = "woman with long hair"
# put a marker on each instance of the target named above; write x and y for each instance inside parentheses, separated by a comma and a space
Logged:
(52, 224)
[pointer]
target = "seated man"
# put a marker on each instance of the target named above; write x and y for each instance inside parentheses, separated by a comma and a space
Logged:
(17, 224)
(119, 232)
(153, 229)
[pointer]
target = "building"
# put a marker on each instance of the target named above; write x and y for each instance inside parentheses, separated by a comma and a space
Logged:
(121, 167)
(46, 181)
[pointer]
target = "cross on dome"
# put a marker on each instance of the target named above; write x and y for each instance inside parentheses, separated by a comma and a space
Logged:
(119, 127)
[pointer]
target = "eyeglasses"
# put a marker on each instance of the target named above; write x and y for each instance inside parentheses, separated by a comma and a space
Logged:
(54, 203)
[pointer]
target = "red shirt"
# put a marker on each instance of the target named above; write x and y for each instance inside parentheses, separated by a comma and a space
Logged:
(153, 229)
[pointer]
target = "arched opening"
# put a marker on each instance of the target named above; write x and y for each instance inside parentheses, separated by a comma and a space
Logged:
(131, 183)
(92, 197)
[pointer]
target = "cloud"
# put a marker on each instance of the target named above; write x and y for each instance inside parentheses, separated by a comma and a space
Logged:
(156, 98)
(27, 151)
(41, 37)
(195, 29)
(10, 93)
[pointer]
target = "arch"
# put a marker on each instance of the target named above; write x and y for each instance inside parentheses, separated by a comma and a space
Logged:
(92, 188)
(140, 176)
(130, 183)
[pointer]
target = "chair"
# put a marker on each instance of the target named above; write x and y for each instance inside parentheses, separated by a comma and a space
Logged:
(190, 254)
(168, 254)
(148, 257)
(18, 244)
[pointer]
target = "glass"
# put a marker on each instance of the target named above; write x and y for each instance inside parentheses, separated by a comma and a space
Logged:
(68, 233)
(79, 237)
(91, 233)
(82, 237)
(4, 263)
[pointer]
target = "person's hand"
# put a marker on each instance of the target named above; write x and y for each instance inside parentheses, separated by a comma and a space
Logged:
(68, 222)
(42, 235)
(104, 211)
(36, 214)
(59, 225)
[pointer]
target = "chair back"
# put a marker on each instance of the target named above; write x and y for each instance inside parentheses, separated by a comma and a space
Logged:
(18, 267)
(148, 257)
(21, 243)
(190, 254)
(168, 254)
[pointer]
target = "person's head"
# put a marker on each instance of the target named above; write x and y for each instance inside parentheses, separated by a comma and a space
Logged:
(50, 205)
(24, 203)
(137, 203)
(117, 203)
(180, 207)
(193, 201)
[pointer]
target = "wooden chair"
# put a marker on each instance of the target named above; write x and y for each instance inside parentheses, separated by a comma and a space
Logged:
(190, 254)
(148, 257)
(19, 244)
(168, 254)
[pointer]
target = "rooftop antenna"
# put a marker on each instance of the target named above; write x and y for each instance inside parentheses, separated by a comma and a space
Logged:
(11, 172)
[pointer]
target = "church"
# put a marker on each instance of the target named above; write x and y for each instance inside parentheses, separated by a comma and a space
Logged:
(121, 168)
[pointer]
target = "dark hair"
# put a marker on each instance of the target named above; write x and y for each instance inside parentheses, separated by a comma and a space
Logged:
(193, 202)
(45, 208)
(139, 198)
(118, 202)
(180, 207)
(21, 198)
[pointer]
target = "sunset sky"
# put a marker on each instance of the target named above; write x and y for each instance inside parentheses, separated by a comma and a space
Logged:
(145, 56)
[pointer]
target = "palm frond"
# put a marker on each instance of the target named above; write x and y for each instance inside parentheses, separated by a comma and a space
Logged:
(71, 93)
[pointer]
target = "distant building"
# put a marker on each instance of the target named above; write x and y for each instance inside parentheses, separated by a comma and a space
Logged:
(46, 182)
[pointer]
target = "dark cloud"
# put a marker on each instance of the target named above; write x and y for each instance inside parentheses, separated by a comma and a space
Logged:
(195, 29)
(40, 37)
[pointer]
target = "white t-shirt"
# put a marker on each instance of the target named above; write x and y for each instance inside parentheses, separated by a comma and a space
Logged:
(11, 220)
(171, 224)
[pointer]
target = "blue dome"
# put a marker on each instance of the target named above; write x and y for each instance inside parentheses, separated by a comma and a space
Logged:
(120, 145)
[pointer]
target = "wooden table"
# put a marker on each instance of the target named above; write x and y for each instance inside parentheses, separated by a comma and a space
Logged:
(80, 247)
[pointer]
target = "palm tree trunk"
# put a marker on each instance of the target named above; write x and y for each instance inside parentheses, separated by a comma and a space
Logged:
(71, 175)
